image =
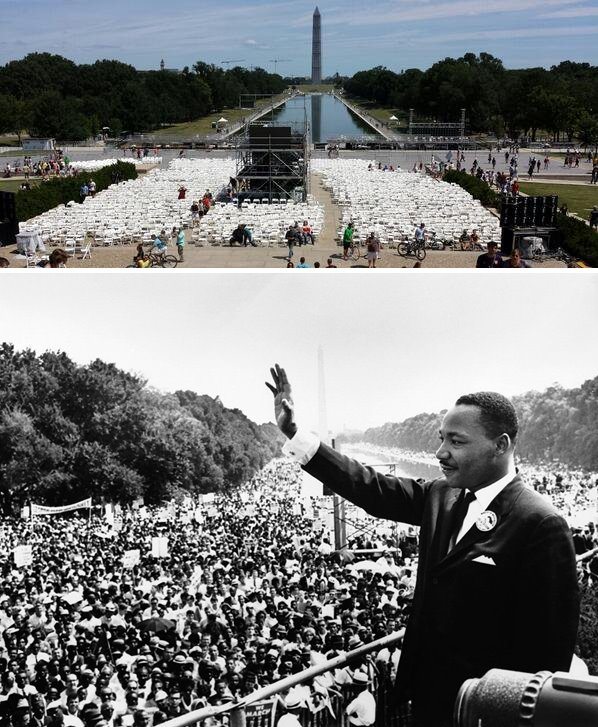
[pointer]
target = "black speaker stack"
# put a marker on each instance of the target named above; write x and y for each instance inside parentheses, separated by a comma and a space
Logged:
(529, 217)
(9, 227)
(529, 211)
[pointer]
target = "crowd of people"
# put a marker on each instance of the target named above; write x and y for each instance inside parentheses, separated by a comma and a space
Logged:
(54, 165)
(248, 593)
(131, 616)
(507, 182)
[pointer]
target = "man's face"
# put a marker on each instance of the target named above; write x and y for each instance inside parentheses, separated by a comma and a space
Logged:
(468, 456)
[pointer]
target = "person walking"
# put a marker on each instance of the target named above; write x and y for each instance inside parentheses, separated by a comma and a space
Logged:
(348, 239)
(373, 249)
(291, 238)
(180, 244)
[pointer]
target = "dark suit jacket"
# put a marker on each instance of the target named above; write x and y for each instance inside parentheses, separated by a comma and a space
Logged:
(469, 617)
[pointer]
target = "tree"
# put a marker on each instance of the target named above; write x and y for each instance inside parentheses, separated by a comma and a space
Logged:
(587, 129)
(15, 115)
(69, 432)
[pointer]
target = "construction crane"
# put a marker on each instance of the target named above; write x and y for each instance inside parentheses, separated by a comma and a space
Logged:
(276, 61)
(228, 63)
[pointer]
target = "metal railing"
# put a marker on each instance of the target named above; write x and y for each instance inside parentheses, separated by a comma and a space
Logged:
(259, 710)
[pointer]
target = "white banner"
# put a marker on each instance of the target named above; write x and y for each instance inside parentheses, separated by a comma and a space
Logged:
(131, 558)
(23, 555)
(44, 510)
(195, 580)
(160, 547)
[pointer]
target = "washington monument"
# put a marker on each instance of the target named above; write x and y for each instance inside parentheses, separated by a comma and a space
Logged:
(316, 51)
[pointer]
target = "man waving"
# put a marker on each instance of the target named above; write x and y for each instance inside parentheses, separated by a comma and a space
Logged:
(496, 584)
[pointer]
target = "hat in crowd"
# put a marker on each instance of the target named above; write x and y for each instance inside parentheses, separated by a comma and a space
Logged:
(91, 716)
(21, 704)
(360, 677)
(292, 701)
(160, 696)
(355, 642)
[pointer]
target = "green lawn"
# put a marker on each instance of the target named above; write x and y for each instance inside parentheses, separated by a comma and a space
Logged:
(315, 88)
(203, 126)
(579, 198)
(10, 139)
(16, 152)
(382, 113)
(12, 185)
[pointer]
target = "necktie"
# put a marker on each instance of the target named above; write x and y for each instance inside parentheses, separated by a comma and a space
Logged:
(459, 513)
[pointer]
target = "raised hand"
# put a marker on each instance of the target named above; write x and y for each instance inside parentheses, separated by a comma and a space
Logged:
(283, 402)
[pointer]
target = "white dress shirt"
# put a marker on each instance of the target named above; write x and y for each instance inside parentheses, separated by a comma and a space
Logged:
(303, 446)
(483, 497)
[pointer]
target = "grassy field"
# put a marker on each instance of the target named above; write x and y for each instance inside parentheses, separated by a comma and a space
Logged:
(203, 126)
(12, 185)
(315, 87)
(381, 113)
(578, 198)
(16, 152)
(10, 139)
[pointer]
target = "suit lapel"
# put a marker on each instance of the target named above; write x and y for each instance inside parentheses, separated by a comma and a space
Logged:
(500, 506)
(443, 528)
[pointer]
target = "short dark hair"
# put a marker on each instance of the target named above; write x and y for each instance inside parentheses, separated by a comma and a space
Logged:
(497, 413)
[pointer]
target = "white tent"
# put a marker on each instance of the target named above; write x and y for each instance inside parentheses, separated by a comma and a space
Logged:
(222, 120)
(393, 118)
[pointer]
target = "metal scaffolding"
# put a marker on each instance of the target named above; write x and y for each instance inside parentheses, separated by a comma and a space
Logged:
(437, 128)
(272, 162)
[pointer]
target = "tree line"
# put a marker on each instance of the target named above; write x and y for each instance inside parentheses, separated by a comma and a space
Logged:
(51, 96)
(68, 432)
(554, 425)
(561, 101)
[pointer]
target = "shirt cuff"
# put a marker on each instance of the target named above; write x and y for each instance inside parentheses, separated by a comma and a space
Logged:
(302, 446)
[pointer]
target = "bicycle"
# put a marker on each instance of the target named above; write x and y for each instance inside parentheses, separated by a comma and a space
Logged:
(539, 255)
(158, 261)
(354, 251)
(406, 248)
(432, 243)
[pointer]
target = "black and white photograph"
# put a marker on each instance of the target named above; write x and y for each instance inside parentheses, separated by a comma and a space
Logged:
(236, 496)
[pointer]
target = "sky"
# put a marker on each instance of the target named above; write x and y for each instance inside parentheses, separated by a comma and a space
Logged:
(398, 34)
(395, 343)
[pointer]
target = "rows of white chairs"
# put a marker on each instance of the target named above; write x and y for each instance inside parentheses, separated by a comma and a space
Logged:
(130, 212)
(268, 222)
(92, 165)
(392, 204)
